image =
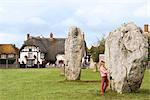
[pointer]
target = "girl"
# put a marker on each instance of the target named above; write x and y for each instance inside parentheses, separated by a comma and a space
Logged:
(104, 78)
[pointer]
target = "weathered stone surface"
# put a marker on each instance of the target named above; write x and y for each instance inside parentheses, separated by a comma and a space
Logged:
(74, 51)
(126, 51)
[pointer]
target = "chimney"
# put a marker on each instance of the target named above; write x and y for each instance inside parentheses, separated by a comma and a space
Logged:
(28, 36)
(146, 28)
(51, 35)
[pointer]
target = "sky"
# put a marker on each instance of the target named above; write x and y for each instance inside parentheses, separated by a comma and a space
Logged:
(96, 18)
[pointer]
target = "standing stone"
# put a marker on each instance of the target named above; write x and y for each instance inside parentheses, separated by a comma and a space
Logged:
(126, 57)
(74, 51)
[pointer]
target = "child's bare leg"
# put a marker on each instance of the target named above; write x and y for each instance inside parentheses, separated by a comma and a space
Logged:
(102, 86)
(106, 84)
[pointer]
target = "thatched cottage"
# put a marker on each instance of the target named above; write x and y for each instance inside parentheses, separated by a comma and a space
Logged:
(8, 56)
(38, 51)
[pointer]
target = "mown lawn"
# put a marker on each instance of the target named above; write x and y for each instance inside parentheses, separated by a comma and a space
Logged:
(47, 84)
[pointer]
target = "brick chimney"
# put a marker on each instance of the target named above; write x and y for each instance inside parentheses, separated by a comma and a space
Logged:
(51, 35)
(146, 28)
(28, 36)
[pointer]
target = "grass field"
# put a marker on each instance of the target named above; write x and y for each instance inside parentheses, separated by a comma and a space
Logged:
(47, 84)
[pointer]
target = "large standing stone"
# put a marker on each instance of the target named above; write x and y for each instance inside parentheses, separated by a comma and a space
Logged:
(126, 57)
(74, 51)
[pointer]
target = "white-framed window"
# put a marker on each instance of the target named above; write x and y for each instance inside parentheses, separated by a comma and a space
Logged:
(42, 55)
(11, 56)
(30, 55)
(30, 48)
(3, 56)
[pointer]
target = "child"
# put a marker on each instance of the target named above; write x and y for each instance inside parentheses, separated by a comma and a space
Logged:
(104, 80)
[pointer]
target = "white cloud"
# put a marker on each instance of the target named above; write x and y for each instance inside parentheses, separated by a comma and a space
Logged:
(7, 38)
(2, 10)
(142, 11)
(70, 22)
(148, 8)
(92, 16)
(36, 21)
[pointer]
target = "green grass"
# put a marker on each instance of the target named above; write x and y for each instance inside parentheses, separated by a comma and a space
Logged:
(47, 84)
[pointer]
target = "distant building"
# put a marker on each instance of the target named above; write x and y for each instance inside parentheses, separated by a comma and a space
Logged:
(38, 51)
(8, 56)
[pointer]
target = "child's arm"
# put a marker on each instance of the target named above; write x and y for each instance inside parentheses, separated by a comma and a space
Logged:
(102, 69)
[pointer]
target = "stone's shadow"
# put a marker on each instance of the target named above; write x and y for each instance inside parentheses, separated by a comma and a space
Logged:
(144, 91)
(81, 81)
(141, 91)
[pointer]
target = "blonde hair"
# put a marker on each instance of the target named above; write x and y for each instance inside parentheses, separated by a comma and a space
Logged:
(102, 62)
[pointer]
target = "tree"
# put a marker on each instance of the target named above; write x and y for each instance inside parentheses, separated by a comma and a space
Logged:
(101, 46)
(100, 49)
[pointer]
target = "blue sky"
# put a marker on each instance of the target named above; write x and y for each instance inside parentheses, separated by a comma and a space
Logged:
(96, 18)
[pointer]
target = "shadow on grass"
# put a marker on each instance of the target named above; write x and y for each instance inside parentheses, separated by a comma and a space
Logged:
(144, 91)
(141, 93)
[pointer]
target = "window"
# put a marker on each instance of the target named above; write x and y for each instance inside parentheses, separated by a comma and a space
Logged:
(42, 55)
(3, 56)
(30, 55)
(30, 63)
(30, 50)
(11, 56)
(2, 61)
(11, 61)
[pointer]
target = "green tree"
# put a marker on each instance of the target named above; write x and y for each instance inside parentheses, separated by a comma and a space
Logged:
(100, 49)
(101, 46)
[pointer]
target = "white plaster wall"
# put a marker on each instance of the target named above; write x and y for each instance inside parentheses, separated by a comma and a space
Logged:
(22, 57)
(25, 52)
(39, 58)
(60, 57)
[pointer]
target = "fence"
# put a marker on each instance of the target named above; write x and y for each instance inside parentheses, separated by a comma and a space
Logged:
(9, 65)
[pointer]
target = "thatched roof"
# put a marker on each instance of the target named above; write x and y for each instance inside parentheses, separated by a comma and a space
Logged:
(50, 46)
(8, 49)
